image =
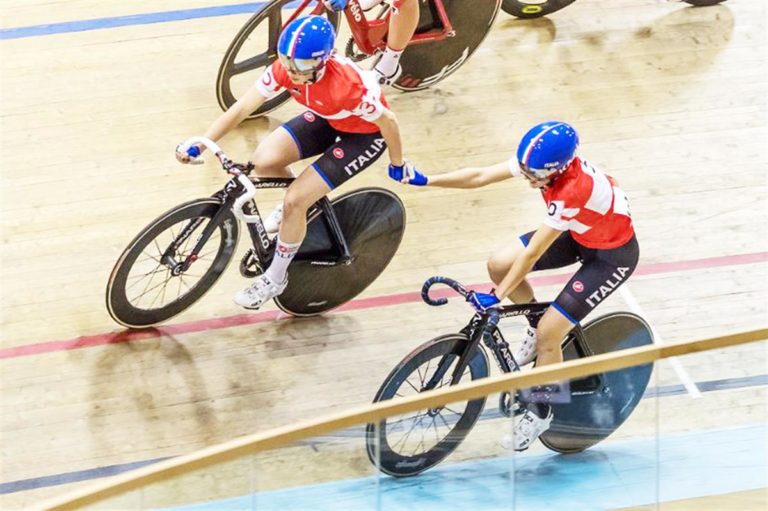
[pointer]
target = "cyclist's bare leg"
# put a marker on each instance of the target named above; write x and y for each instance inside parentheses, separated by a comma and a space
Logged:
(307, 189)
(552, 329)
(498, 267)
(402, 25)
(274, 154)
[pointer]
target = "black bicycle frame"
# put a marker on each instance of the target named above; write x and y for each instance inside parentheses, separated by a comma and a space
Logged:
(492, 337)
(262, 245)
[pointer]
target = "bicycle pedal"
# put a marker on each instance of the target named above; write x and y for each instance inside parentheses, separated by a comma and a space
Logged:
(508, 407)
(250, 266)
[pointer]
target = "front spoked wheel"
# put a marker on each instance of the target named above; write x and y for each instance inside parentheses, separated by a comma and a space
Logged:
(409, 444)
(146, 287)
(252, 50)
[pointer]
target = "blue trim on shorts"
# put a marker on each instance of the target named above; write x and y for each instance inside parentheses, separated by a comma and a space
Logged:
(322, 174)
(562, 311)
(295, 139)
(522, 239)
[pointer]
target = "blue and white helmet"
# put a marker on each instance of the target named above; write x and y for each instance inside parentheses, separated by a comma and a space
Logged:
(305, 44)
(547, 149)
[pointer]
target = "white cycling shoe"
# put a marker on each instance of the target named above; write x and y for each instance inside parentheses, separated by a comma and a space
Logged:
(273, 221)
(261, 291)
(526, 352)
(527, 430)
(388, 80)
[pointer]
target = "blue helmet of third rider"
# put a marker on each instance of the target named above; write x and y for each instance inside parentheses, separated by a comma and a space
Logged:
(547, 149)
(305, 44)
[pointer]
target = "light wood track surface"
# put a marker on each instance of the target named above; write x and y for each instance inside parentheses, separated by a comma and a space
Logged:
(669, 100)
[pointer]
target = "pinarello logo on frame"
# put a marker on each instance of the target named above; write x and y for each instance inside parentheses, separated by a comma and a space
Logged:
(309, 116)
(578, 286)
(338, 153)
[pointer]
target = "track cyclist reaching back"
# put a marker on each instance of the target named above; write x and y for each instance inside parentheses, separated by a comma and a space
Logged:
(588, 221)
(348, 124)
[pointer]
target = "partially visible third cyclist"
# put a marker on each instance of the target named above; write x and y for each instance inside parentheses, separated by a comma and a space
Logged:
(403, 20)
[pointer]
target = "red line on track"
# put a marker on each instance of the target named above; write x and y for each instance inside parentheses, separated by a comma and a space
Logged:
(361, 304)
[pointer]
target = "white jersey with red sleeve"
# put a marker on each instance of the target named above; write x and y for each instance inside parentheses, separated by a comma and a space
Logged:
(589, 204)
(347, 96)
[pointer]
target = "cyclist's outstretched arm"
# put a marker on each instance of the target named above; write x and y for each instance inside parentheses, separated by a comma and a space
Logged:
(223, 124)
(523, 264)
(235, 114)
(471, 177)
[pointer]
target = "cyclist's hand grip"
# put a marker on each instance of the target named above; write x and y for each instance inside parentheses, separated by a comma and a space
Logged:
(193, 152)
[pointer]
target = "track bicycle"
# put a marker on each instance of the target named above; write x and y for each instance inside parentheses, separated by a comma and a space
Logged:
(448, 32)
(181, 254)
(528, 9)
(598, 405)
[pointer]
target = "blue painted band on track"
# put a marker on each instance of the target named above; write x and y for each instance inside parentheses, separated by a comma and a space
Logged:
(73, 477)
(133, 19)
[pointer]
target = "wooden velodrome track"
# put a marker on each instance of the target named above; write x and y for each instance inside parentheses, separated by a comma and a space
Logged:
(670, 100)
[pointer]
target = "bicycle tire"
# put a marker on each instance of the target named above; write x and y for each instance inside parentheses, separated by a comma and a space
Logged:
(120, 306)
(591, 417)
(703, 3)
(396, 464)
(428, 63)
(373, 222)
(272, 13)
(533, 9)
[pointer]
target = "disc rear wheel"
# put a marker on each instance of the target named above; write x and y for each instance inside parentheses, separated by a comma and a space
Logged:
(425, 64)
(601, 403)
(527, 9)
(372, 221)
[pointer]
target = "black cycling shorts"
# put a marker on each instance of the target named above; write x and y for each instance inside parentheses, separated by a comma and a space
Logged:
(343, 154)
(602, 272)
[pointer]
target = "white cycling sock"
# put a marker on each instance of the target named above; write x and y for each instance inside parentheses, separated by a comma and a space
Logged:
(387, 65)
(284, 254)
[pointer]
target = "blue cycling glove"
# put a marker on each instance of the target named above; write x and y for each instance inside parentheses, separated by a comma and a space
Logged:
(482, 301)
(407, 173)
(335, 5)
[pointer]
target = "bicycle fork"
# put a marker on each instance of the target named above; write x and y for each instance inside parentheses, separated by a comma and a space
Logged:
(176, 267)
(478, 331)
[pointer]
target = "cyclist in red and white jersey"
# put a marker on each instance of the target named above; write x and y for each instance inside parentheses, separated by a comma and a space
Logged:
(348, 124)
(588, 221)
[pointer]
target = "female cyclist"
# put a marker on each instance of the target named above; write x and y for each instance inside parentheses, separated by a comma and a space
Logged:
(402, 25)
(588, 221)
(348, 123)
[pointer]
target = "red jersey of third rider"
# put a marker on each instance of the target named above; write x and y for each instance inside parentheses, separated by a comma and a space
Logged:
(347, 96)
(589, 204)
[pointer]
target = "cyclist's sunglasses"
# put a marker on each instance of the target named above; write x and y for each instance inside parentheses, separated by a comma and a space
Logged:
(305, 68)
(533, 174)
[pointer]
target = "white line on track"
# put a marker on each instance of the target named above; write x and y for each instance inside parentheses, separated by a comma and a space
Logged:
(682, 374)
